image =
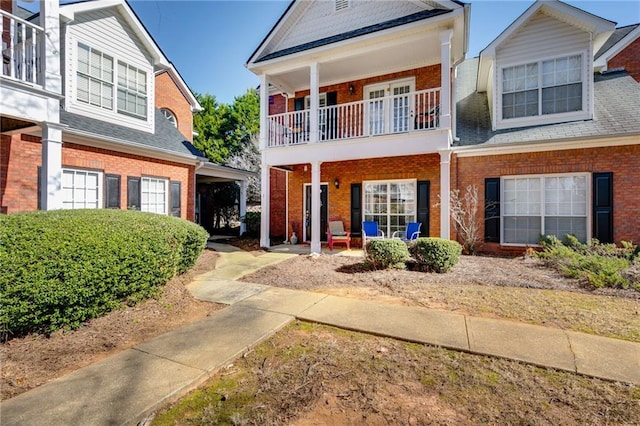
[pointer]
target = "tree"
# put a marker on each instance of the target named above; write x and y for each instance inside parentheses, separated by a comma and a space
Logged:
(214, 125)
(464, 212)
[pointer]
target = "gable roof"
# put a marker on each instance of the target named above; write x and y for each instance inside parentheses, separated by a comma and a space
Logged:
(166, 138)
(617, 113)
(296, 9)
(70, 9)
(601, 29)
(619, 40)
(182, 86)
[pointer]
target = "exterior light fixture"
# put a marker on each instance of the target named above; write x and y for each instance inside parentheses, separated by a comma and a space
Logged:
(336, 183)
(352, 89)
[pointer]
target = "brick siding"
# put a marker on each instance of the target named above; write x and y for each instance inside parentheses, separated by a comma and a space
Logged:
(629, 58)
(169, 96)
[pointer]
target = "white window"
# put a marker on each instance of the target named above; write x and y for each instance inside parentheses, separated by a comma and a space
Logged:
(154, 195)
(169, 116)
(540, 88)
(544, 205)
(132, 90)
(81, 189)
(392, 204)
(95, 77)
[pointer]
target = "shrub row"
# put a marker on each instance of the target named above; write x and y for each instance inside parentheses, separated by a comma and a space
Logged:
(431, 254)
(600, 265)
(60, 268)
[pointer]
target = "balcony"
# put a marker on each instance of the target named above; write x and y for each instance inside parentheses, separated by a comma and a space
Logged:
(405, 113)
(22, 44)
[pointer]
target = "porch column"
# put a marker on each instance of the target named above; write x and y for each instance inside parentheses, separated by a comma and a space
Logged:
(265, 192)
(51, 170)
(445, 78)
(243, 205)
(316, 245)
(50, 47)
(264, 111)
(314, 98)
(445, 194)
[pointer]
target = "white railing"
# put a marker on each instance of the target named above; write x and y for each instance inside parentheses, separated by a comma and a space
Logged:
(21, 49)
(408, 112)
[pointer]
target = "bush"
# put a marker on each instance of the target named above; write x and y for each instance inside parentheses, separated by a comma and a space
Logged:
(385, 254)
(600, 265)
(60, 268)
(252, 223)
(435, 254)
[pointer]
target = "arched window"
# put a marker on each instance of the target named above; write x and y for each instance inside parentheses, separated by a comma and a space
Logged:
(169, 116)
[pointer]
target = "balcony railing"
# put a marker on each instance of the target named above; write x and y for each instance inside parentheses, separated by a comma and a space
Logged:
(404, 113)
(21, 49)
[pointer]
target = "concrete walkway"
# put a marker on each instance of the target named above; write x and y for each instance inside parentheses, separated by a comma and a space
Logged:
(128, 387)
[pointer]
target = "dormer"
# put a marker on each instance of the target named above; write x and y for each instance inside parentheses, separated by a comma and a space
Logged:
(109, 64)
(540, 69)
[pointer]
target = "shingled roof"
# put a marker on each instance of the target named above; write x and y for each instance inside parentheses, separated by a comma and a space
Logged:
(166, 137)
(617, 35)
(617, 112)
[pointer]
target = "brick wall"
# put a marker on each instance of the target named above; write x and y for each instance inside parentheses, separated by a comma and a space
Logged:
(20, 157)
(419, 167)
(277, 104)
(169, 96)
(622, 161)
(629, 58)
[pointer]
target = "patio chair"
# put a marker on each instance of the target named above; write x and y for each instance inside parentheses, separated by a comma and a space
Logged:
(411, 233)
(337, 234)
(370, 231)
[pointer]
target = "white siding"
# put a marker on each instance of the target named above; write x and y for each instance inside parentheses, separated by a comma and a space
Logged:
(542, 37)
(106, 31)
(318, 20)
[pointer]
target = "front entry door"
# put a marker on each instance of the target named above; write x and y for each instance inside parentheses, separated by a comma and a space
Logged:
(323, 212)
(389, 106)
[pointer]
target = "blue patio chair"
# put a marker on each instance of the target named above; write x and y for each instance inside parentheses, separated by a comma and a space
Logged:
(411, 233)
(370, 231)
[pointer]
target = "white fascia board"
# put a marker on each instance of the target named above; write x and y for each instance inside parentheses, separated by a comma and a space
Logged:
(601, 63)
(224, 172)
(69, 11)
(275, 30)
(182, 86)
(546, 145)
(301, 59)
(128, 147)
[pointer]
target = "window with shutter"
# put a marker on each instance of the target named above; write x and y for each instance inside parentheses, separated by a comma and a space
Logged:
(112, 192)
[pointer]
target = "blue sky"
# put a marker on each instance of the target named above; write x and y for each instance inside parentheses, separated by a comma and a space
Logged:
(209, 41)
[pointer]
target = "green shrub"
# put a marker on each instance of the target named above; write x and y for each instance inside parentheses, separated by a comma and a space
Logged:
(60, 268)
(600, 265)
(435, 254)
(252, 223)
(385, 254)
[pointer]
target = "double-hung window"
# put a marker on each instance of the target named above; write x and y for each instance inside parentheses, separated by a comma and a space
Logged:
(95, 77)
(544, 205)
(541, 88)
(154, 195)
(81, 189)
(132, 90)
(392, 204)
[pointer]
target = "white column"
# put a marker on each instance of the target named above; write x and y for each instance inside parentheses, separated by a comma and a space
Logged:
(445, 194)
(316, 245)
(264, 205)
(264, 111)
(243, 205)
(314, 98)
(445, 78)
(51, 170)
(50, 45)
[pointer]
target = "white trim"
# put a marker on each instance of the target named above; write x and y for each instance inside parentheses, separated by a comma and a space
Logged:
(543, 176)
(388, 182)
(546, 145)
(602, 62)
(388, 87)
(79, 170)
(166, 193)
(182, 86)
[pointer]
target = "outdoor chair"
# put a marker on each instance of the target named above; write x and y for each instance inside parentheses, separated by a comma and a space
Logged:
(337, 234)
(411, 233)
(370, 231)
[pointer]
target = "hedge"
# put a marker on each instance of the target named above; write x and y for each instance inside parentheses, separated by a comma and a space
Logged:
(385, 254)
(61, 268)
(435, 254)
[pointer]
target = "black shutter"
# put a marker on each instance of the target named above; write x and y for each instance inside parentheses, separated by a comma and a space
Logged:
(424, 194)
(111, 191)
(175, 199)
(331, 130)
(603, 207)
(133, 193)
(356, 209)
(39, 188)
(492, 210)
(298, 104)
